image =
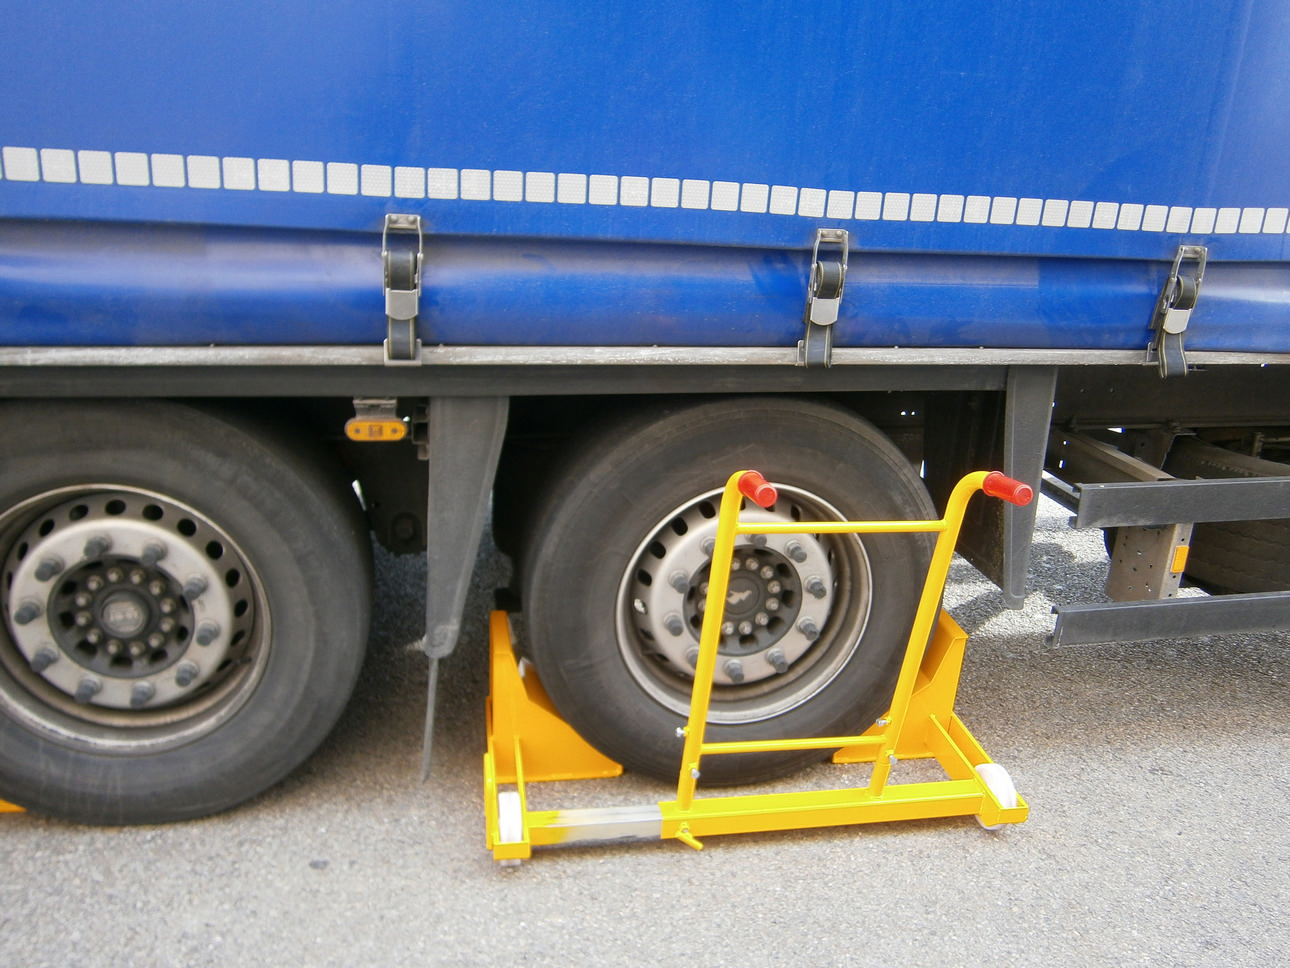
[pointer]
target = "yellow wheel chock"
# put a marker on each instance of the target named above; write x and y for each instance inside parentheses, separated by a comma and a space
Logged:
(528, 742)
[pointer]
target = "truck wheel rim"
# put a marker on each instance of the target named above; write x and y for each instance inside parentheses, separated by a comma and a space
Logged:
(796, 610)
(130, 620)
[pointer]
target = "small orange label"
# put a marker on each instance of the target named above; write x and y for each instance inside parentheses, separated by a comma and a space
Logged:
(1180, 558)
(375, 431)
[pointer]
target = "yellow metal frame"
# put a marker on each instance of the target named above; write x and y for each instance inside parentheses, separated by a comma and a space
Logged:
(527, 741)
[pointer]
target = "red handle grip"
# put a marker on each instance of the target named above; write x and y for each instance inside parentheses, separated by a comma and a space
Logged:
(997, 484)
(757, 489)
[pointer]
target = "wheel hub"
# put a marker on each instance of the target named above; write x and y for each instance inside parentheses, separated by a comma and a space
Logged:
(779, 598)
(122, 600)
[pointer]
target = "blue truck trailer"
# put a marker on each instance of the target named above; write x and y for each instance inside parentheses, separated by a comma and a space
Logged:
(277, 276)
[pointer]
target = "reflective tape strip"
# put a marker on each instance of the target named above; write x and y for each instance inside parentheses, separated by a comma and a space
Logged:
(134, 169)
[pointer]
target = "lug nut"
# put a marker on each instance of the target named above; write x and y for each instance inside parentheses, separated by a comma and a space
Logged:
(808, 628)
(736, 564)
(156, 587)
(796, 551)
(166, 625)
(728, 628)
(142, 694)
(734, 669)
(745, 627)
(776, 658)
(774, 587)
(692, 656)
(83, 619)
(113, 647)
(94, 582)
(114, 575)
(208, 632)
(153, 552)
(88, 689)
(815, 585)
(137, 649)
(167, 605)
(762, 619)
(28, 612)
(767, 572)
(672, 623)
(156, 640)
(701, 605)
(186, 674)
(194, 588)
(708, 546)
(94, 636)
(679, 581)
(97, 546)
(48, 568)
(772, 604)
(751, 564)
(43, 659)
(82, 599)
(137, 576)
(759, 541)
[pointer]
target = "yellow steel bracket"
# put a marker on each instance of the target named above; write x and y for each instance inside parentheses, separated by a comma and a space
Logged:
(921, 723)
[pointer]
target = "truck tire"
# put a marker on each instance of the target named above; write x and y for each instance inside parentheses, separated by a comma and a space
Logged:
(1233, 556)
(185, 606)
(614, 573)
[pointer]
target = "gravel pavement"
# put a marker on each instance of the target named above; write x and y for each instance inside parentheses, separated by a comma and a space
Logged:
(1158, 835)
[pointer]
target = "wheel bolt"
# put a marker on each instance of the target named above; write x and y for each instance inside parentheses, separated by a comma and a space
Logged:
(194, 588)
(48, 568)
(137, 576)
(759, 541)
(679, 581)
(166, 625)
(186, 674)
(795, 550)
(43, 659)
(734, 669)
(728, 628)
(767, 572)
(772, 604)
(701, 605)
(207, 632)
(776, 658)
(708, 546)
(153, 552)
(167, 605)
(82, 599)
(736, 564)
(156, 587)
(97, 546)
(692, 656)
(88, 689)
(94, 636)
(815, 585)
(751, 564)
(774, 587)
(808, 628)
(762, 619)
(672, 623)
(745, 627)
(114, 647)
(156, 640)
(83, 619)
(142, 694)
(137, 649)
(28, 612)
(94, 582)
(115, 575)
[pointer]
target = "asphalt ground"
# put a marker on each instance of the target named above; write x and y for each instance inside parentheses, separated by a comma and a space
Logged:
(1158, 834)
